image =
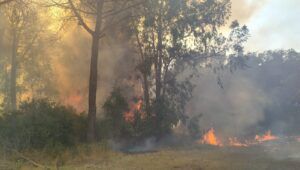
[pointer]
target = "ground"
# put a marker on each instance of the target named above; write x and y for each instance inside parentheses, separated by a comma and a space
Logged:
(185, 158)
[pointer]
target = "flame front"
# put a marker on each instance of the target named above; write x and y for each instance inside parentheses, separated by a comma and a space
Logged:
(266, 137)
(210, 138)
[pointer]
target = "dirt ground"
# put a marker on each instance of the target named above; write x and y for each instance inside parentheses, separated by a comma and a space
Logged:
(187, 158)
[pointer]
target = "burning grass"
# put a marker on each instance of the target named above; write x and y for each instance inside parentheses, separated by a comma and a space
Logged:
(211, 138)
(266, 137)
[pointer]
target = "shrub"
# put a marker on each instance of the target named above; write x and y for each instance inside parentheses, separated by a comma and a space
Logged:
(41, 124)
(120, 129)
(114, 122)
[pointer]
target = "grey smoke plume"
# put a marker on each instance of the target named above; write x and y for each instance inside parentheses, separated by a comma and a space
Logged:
(233, 110)
(263, 97)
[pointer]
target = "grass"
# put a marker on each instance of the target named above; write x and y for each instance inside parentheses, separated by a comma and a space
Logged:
(192, 158)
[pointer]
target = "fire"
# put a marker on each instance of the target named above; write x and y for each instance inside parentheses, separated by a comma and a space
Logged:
(211, 139)
(75, 100)
(134, 108)
(266, 137)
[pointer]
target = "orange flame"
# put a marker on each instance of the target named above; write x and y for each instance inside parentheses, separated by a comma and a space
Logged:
(134, 108)
(211, 139)
(76, 101)
(266, 137)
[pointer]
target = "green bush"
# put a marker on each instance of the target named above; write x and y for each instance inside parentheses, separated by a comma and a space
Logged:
(42, 124)
(114, 122)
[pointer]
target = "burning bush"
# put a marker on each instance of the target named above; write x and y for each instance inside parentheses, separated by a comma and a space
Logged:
(124, 121)
(129, 121)
(41, 123)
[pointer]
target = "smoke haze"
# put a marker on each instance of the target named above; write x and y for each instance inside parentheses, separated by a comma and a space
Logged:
(71, 65)
(233, 110)
(243, 10)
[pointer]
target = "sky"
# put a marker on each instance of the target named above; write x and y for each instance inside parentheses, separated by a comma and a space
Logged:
(273, 24)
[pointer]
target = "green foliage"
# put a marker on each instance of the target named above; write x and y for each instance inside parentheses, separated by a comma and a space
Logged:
(41, 124)
(167, 114)
(114, 108)
(118, 127)
(175, 39)
(164, 118)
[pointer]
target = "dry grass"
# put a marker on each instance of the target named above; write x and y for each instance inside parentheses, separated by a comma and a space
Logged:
(196, 158)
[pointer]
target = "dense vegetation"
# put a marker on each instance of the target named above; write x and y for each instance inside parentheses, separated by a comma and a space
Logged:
(167, 44)
(41, 124)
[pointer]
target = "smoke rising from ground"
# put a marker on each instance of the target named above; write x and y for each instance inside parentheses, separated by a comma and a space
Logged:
(263, 97)
(233, 110)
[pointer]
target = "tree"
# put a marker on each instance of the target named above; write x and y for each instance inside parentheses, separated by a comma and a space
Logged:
(105, 15)
(173, 40)
(27, 68)
(19, 19)
(172, 36)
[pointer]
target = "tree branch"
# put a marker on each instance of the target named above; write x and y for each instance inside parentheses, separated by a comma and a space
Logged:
(125, 8)
(64, 6)
(80, 19)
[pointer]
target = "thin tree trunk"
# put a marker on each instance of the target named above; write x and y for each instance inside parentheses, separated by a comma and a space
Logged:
(159, 58)
(7, 89)
(166, 66)
(13, 73)
(146, 93)
(91, 134)
(93, 90)
(145, 76)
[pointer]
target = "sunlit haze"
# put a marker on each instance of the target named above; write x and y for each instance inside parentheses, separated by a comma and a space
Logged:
(273, 24)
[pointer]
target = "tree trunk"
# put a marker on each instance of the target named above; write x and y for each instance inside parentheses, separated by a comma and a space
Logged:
(145, 76)
(13, 72)
(158, 59)
(91, 134)
(166, 66)
(146, 93)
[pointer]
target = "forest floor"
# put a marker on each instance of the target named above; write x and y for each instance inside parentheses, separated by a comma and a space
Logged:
(183, 158)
